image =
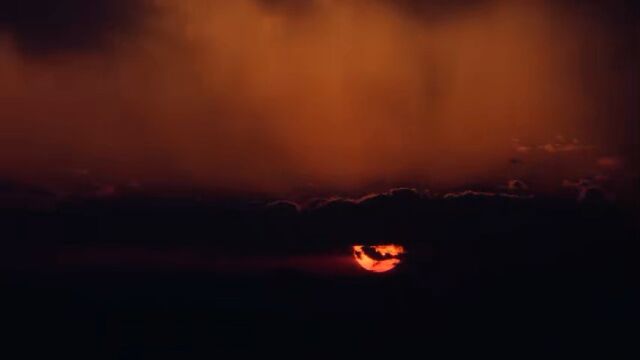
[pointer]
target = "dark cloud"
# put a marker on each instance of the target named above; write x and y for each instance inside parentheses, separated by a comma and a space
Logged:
(374, 254)
(450, 237)
(590, 190)
(19, 195)
(42, 27)
(592, 195)
(483, 196)
(403, 216)
(283, 207)
(516, 185)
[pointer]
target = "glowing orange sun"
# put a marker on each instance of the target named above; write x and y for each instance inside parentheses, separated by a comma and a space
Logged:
(378, 258)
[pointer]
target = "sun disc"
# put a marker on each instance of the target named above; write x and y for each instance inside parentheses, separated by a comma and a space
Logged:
(378, 258)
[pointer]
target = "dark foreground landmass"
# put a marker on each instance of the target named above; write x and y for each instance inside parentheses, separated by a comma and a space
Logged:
(151, 277)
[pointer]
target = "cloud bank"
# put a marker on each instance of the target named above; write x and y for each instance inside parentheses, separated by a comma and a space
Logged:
(274, 96)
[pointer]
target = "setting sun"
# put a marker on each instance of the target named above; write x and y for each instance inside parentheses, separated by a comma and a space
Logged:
(378, 258)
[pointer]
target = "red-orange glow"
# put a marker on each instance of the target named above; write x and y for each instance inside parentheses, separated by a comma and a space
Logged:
(241, 96)
(387, 257)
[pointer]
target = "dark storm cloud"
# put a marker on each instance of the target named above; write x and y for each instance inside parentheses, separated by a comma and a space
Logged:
(283, 207)
(590, 190)
(41, 27)
(404, 216)
(463, 233)
(481, 196)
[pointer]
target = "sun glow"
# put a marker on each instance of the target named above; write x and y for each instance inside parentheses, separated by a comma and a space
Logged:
(378, 258)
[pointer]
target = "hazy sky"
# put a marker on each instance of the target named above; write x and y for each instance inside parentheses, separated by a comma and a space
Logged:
(273, 95)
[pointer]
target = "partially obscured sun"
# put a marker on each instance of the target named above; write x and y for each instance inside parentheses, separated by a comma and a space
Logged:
(378, 258)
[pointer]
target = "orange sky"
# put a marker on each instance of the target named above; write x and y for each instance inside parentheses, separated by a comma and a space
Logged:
(236, 95)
